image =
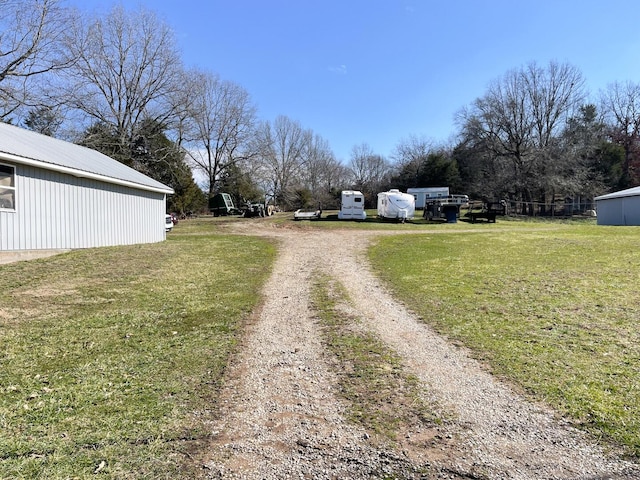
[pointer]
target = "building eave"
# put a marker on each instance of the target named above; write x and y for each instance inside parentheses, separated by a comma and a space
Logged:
(9, 157)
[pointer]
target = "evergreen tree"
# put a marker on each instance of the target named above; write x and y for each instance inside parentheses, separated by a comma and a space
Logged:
(153, 154)
(43, 120)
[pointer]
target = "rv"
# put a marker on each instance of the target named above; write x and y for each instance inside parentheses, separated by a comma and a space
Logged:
(395, 205)
(424, 194)
(352, 206)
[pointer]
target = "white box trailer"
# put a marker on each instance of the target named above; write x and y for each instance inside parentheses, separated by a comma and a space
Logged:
(352, 206)
(423, 194)
(395, 205)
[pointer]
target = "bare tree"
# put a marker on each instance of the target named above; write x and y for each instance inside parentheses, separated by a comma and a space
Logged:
(370, 172)
(323, 175)
(182, 100)
(283, 149)
(127, 66)
(410, 155)
(554, 94)
(518, 122)
(31, 44)
(334, 179)
(621, 105)
(220, 120)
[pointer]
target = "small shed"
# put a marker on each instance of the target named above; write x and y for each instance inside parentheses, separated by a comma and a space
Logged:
(619, 208)
(58, 195)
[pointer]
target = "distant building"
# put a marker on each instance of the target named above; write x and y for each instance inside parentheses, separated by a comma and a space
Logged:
(57, 195)
(422, 194)
(619, 208)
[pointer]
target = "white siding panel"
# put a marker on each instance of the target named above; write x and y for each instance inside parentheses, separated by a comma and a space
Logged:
(59, 211)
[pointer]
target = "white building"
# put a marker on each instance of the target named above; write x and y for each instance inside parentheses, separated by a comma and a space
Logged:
(57, 195)
(619, 208)
(422, 194)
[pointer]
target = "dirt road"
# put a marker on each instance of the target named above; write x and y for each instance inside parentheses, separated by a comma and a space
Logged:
(282, 415)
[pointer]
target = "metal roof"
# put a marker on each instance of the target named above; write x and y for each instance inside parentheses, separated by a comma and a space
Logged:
(24, 146)
(629, 192)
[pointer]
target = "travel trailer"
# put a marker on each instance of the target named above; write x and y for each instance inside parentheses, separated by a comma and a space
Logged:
(395, 205)
(352, 206)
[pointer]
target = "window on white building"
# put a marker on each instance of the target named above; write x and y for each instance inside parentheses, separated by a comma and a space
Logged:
(7, 187)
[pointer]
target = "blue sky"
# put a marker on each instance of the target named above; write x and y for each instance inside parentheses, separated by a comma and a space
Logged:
(378, 71)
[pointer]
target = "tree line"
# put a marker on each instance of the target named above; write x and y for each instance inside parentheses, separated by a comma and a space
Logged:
(117, 83)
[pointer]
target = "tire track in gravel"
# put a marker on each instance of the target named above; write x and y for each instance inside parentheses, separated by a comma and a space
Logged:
(280, 417)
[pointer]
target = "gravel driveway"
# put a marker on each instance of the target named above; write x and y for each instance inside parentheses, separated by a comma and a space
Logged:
(281, 415)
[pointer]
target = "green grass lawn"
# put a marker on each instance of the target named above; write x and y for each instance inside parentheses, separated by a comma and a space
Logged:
(110, 358)
(555, 308)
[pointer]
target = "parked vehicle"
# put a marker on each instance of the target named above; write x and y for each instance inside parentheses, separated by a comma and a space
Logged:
(168, 223)
(352, 206)
(395, 205)
(253, 210)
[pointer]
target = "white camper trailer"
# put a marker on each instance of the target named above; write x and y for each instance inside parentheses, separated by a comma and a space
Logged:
(395, 205)
(352, 206)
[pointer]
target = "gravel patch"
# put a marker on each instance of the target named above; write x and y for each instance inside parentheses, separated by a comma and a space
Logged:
(281, 416)
(22, 255)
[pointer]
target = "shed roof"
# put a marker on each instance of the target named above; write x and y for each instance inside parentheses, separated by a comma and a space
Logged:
(629, 192)
(30, 148)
